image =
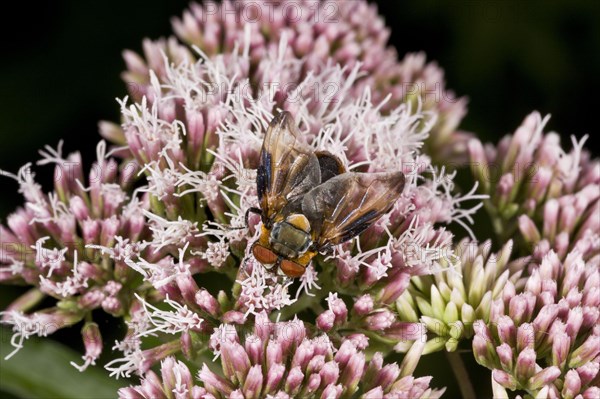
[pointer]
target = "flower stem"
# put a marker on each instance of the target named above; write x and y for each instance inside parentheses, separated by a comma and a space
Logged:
(462, 377)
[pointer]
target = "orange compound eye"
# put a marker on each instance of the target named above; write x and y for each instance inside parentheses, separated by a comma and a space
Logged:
(264, 255)
(291, 268)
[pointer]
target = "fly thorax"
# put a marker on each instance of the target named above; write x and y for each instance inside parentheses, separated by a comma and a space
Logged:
(291, 237)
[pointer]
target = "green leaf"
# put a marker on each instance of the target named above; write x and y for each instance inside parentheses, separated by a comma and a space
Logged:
(42, 369)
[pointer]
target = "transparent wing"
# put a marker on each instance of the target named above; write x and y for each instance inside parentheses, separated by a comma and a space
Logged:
(347, 204)
(287, 169)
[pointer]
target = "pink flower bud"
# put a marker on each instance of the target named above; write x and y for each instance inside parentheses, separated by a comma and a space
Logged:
(152, 386)
(330, 372)
(528, 229)
(314, 381)
(520, 307)
(505, 354)
(315, 364)
(551, 210)
(187, 345)
(574, 322)
(388, 375)
(175, 374)
(352, 372)
(253, 384)
(332, 391)
(363, 305)
(274, 353)
(504, 379)
(591, 393)
(345, 352)
(213, 383)
(274, 375)
(561, 244)
(380, 320)
(235, 360)
(338, 307)
(395, 286)
(540, 183)
(294, 379)
(187, 287)
(545, 318)
(374, 393)
(254, 348)
(403, 331)
(588, 372)
(483, 351)
(290, 334)
(525, 337)
(508, 292)
(136, 223)
(372, 370)
(346, 271)
(237, 394)
(109, 229)
(505, 187)
(525, 365)
(19, 224)
(326, 320)
(544, 377)
(506, 330)
(572, 384)
(134, 62)
(92, 341)
(195, 133)
(79, 208)
(586, 352)
(303, 354)
(91, 299)
(207, 302)
(263, 327)
(360, 341)
(591, 315)
(234, 317)
(112, 305)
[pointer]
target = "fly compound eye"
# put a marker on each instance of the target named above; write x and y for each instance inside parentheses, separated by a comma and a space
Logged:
(264, 255)
(291, 268)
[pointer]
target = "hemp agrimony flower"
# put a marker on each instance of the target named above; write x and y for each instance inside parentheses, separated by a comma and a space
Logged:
(71, 245)
(545, 339)
(158, 235)
(537, 188)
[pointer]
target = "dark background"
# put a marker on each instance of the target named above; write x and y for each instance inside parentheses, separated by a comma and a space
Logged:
(61, 61)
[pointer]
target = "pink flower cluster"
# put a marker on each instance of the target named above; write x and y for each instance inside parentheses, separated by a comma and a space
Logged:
(545, 339)
(71, 244)
(349, 33)
(282, 360)
(156, 235)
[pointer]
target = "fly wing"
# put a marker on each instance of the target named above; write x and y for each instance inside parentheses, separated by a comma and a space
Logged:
(288, 168)
(347, 204)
